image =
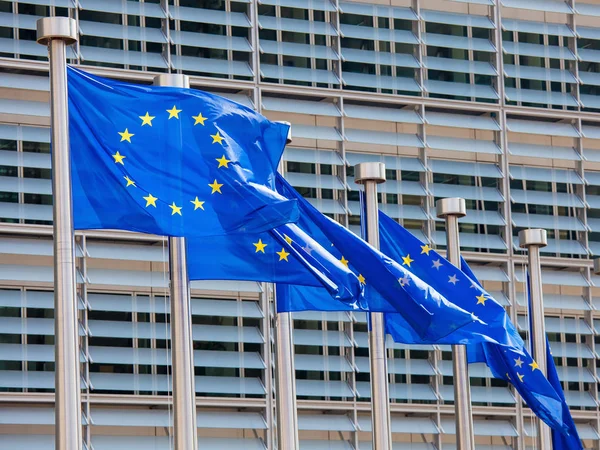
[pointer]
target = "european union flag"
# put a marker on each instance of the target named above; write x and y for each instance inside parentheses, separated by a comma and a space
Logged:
(535, 390)
(171, 161)
(388, 286)
(509, 361)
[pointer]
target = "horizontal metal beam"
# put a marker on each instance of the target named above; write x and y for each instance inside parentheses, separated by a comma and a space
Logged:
(275, 88)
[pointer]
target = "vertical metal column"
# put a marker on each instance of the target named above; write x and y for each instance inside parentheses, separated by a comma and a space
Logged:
(57, 33)
(451, 209)
(533, 240)
(182, 346)
(285, 373)
(370, 175)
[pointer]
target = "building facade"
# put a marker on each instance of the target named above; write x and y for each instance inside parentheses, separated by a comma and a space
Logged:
(495, 101)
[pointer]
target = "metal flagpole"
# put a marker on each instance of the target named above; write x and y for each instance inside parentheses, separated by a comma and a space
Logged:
(57, 33)
(451, 209)
(285, 374)
(371, 174)
(182, 352)
(533, 240)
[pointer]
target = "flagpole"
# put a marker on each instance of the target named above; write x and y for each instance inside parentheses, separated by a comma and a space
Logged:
(57, 33)
(451, 209)
(533, 240)
(370, 175)
(285, 374)
(182, 345)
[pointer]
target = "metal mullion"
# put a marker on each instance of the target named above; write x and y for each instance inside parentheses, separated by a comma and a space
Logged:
(337, 43)
(311, 40)
(426, 177)
(85, 345)
(376, 47)
(341, 170)
(279, 36)
(471, 56)
(166, 28)
(229, 34)
(266, 329)
(20, 173)
(255, 42)
(420, 49)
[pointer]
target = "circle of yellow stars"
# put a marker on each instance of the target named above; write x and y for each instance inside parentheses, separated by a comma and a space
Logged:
(215, 186)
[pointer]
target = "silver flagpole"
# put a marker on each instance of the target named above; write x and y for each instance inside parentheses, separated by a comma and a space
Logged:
(57, 33)
(451, 209)
(182, 346)
(370, 175)
(285, 374)
(533, 240)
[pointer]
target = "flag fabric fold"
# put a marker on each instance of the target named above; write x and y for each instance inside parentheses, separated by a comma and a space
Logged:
(508, 360)
(171, 161)
(283, 255)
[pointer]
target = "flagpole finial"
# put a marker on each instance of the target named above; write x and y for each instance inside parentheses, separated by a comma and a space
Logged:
(289, 136)
(369, 171)
(454, 206)
(63, 28)
(172, 80)
(597, 266)
(533, 236)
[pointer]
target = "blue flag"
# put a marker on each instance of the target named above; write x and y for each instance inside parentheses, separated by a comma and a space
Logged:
(171, 161)
(560, 441)
(509, 361)
(388, 286)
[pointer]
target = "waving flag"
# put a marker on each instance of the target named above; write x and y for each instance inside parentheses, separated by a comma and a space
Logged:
(509, 361)
(171, 161)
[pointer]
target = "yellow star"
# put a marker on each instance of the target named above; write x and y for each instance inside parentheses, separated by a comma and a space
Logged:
(406, 260)
(174, 112)
(126, 135)
(425, 249)
(287, 239)
(344, 261)
(199, 119)
(260, 246)
(150, 200)
(175, 209)
(283, 255)
(197, 204)
(534, 366)
(130, 182)
(361, 279)
(481, 299)
(223, 162)
(119, 158)
(520, 376)
(507, 375)
(216, 187)
(217, 138)
(147, 119)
